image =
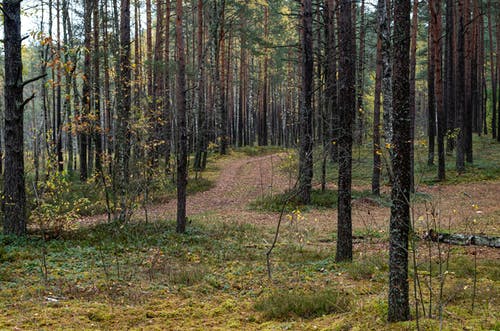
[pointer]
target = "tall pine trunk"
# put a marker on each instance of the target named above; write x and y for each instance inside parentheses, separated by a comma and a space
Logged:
(347, 105)
(306, 113)
(182, 170)
(399, 308)
(14, 193)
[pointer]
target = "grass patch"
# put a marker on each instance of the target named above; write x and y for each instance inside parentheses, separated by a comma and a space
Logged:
(319, 199)
(259, 150)
(298, 303)
(369, 268)
(485, 166)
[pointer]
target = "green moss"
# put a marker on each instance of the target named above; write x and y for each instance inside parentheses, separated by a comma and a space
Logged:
(289, 304)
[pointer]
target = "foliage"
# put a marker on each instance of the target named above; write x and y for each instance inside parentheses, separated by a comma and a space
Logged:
(54, 213)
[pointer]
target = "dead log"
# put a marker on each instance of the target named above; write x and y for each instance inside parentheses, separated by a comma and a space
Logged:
(463, 239)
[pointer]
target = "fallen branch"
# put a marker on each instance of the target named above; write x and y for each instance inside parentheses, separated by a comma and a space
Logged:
(462, 239)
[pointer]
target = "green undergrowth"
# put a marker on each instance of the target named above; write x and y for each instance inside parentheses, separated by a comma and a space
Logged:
(319, 199)
(258, 150)
(484, 167)
(287, 304)
(146, 276)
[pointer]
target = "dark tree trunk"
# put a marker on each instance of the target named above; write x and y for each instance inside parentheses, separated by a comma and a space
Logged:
(413, 64)
(493, 75)
(122, 152)
(435, 28)
(399, 308)
(182, 170)
(263, 141)
(360, 110)
(14, 199)
(157, 120)
(306, 113)
(331, 79)
(83, 123)
(59, 124)
(383, 10)
(200, 93)
(431, 104)
(460, 90)
(96, 82)
(449, 92)
(347, 102)
(377, 151)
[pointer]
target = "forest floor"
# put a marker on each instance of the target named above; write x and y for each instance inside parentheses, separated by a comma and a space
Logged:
(145, 276)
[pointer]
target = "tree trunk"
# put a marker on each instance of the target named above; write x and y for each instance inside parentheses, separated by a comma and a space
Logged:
(182, 170)
(435, 28)
(347, 111)
(413, 63)
(306, 113)
(449, 92)
(122, 152)
(431, 103)
(331, 79)
(96, 82)
(460, 91)
(14, 194)
(377, 151)
(399, 308)
(493, 75)
(383, 10)
(200, 93)
(360, 110)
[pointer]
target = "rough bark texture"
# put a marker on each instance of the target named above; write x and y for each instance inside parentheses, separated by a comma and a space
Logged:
(383, 8)
(377, 164)
(306, 113)
(436, 28)
(460, 90)
(83, 120)
(331, 79)
(14, 200)
(96, 82)
(431, 104)
(413, 64)
(493, 74)
(181, 122)
(449, 91)
(347, 102)
(200, 94)
(399, 309)
(122, 153)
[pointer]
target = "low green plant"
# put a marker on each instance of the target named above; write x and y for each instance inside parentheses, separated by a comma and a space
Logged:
(53, 213)
(299, 303)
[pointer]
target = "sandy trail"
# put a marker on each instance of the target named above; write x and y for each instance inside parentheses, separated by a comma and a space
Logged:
(242, 180)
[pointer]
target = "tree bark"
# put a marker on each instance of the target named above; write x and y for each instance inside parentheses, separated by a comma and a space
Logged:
(14, 199)
(182, 170)
(85, 111)
(377, 151)
(460, 90)
(306, 113)
(383, 10)
(399, 309)
(347, 111)
(122, 152)
(435, 28)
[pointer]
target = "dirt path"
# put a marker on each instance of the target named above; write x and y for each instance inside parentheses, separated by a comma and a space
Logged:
(242, 180)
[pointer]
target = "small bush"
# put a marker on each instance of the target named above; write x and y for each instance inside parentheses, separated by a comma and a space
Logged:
(303, 304)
